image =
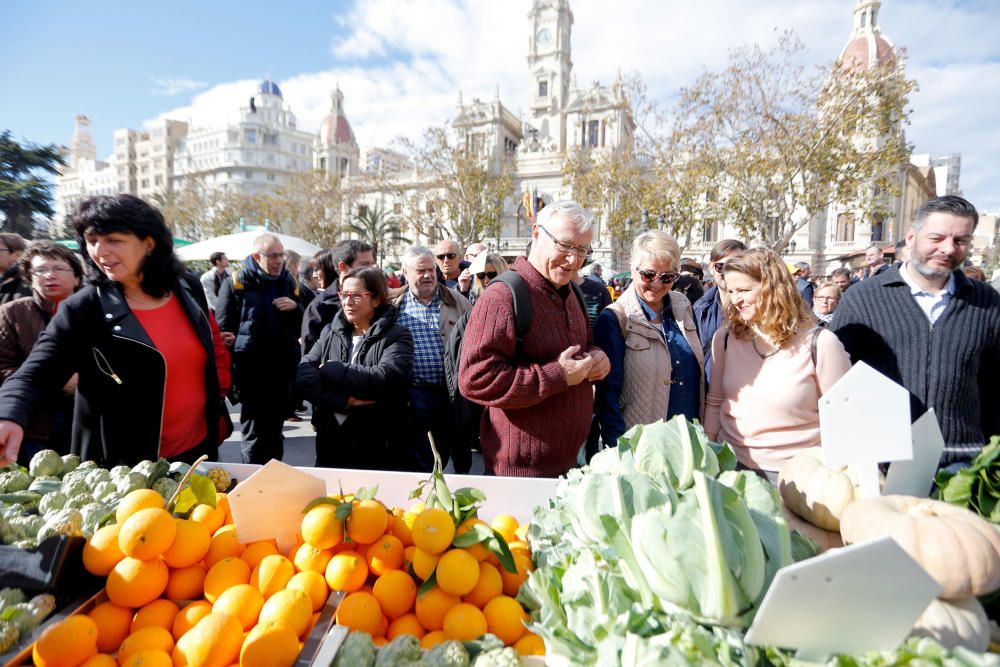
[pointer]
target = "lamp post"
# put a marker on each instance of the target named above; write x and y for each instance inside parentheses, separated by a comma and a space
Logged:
(791, 246)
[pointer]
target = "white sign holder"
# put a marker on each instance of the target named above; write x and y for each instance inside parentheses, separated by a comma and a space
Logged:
(915, 476)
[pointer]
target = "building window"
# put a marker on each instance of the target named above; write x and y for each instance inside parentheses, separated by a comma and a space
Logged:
(343, 166)
(362, 210)
(710, 232)
(878, 228)
(397, 208)
(593, 132)
(864, 19)
(543, 88)
(158, 180)
(322, 164)
(845, 227)
(248, 175)
(145, 182)
(251, 136)
(270, 177)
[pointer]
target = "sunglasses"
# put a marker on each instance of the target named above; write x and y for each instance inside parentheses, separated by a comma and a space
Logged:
(489, 274)
(665, 278)
(718, 266)
(447, 255)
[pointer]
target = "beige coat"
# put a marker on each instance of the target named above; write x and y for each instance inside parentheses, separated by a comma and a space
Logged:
(645, 395)
(453, 306)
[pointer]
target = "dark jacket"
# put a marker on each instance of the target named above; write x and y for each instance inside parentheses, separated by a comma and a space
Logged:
(331, 373)
(805, 288)
(119, 402)
(709, 317)
(951, 366)
(13, 286)
(246, 308)
(317, 315)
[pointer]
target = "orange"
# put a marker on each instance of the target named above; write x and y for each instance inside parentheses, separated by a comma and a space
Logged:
(272, 574)
(505, 618)
(424, 563)
(225, 528)
(489, 585)
(464, 622)
(530, 644)
(313, 584)
(66, 643)
(478, 551)
(415, 509)
(190, 545)
(367, 522)
(160, 613)
(506, 525)
(384, 554)
(147, 533)
(152, 636)
(148, 657)
(432, 639)
(383, 626)
(214, 641)
(188, 616)
(137, 500)
(100, 660)
(101, 552)
(457, 572)
(222, 503)
(347, 571)
(113, 623)
(321, 528)
(223, 545)
(396, 592)
(308, 557)
(407, 624)
(433, 530)
(134, 583)
(256, 551)
(360, 611)
(291, 609)
(186, 583)
(273, 646)
(212, 517)
(242, 601)
(522, 532)
(401, 530)
(512, 582)
(408, 556)
(432, 606)
(226, 573)
(346, 546)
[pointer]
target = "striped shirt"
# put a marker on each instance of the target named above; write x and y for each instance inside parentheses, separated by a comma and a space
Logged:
(424, 322)
(932, 303)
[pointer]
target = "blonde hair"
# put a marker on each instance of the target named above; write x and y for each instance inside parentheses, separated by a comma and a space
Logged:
(498, 263)
(782, 312)
(656, 245)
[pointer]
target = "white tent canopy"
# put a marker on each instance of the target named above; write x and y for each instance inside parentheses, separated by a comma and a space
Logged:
(238, 246)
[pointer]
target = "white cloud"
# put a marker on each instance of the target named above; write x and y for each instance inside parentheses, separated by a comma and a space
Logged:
(402, 63)
(170, 87)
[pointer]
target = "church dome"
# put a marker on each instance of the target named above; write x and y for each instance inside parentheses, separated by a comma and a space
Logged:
(867, 51)
(335, 129)
(268, 87)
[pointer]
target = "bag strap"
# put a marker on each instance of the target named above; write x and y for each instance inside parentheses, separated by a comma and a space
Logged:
(521, 301)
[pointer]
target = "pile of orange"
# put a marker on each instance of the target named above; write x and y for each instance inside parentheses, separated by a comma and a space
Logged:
(381, 558)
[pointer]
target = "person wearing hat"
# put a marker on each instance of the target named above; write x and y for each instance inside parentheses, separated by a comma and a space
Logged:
(802, 271)
(484, 268)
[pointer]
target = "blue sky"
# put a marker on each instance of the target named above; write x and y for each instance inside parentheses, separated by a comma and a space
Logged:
(402, 63)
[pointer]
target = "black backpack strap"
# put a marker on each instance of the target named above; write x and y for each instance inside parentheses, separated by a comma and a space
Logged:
(814, 342)
(521, 300)
(583, 302)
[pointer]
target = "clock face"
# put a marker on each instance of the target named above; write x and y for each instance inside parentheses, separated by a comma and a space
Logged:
(544, 37)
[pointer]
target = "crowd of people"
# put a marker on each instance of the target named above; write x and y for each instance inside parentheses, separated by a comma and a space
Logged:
(128, 355)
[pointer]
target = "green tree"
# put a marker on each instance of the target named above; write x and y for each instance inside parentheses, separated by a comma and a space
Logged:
(373, 225)
(24, 191)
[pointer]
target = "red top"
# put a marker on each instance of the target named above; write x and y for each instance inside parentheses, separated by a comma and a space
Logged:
(184, 396)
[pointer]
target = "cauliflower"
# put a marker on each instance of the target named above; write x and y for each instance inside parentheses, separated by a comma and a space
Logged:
(498, 657)
(67, 522)
(70, 462)
(358, 650)
(131, 482)
(46, 462)
(166, 487)
(75, 487)
(120, 471)
(14, 480)
(87, 465)
(76, 502)
(104, 489)
(92, 514)
(51, 502)
(450, 653)
(401, 650)
(98, 475)
(220, 478)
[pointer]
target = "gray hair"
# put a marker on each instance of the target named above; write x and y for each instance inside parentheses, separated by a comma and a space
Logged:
(578, 216)
(261, 241)
(801, 266)
(952, 204)
(413, 253)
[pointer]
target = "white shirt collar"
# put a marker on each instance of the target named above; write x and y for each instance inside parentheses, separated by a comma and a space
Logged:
(915, 289)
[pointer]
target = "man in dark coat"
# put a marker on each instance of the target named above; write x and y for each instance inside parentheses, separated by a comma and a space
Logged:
(12, 286)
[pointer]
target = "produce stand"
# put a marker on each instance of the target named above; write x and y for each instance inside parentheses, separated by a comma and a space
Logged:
(79, 604)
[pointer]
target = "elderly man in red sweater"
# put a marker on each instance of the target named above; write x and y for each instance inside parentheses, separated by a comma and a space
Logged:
(540, 398)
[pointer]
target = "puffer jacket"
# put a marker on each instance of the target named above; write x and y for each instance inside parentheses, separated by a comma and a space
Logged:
(245, 307)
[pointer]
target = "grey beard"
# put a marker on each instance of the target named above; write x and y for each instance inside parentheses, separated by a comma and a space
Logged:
(928, 272)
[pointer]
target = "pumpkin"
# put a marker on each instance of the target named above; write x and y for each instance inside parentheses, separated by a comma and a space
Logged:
(824, 539)
(814, 492)
(954, 623)
(959, 549)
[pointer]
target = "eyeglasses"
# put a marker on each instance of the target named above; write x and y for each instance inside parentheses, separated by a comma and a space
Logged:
(489, 274)
(446, 255)
(40, 271)
(665, 278)
(272, 255)
(826, 298)
(568, 248)
(353, 297)
(718, 266)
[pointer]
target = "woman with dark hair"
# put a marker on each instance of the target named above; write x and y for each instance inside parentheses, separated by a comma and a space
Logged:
(55, 273)
(356, 376)
(141, 338)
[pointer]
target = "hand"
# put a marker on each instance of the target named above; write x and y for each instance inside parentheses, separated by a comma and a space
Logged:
(11, 435)
(70, 387)
(464, 279)
(283, 303)
(228, 339)
(575, 366)
(602, 365)
(352, 402)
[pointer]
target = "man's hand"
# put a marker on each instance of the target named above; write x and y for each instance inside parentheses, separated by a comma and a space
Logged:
(11, 435)
(228, 339)
(575, 366)
(602, 365)
(283, 303)
(464, 280)
(353, 402)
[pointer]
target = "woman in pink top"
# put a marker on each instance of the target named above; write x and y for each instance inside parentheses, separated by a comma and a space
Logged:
(770, 365)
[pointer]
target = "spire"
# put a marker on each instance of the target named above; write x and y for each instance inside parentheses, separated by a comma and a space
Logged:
(866, 17)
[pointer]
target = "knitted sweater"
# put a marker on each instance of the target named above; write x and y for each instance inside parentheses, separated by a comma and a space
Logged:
(951, 366)
(534, 423)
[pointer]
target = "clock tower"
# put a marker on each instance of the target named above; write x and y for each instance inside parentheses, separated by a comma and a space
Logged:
(549, 71)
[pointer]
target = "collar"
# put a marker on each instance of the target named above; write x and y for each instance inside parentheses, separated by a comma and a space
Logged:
(649, 312)
(915, 289)
(435, 300)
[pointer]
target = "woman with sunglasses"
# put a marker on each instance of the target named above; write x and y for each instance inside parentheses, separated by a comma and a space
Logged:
(650, 337)
(771, 366)
(485, 267)
(356, 376)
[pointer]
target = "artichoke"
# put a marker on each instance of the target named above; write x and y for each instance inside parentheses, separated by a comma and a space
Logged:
(75, 487)
(70, 462)
(14, 480)
(104, 489)
(9, 636)
(98, 475)
(220, 478)
(51, 502)
(166, 487)
(401, 650)
(45, 485)
(92, 514)
(120, 471)
(358, 650)
(132, 481)
(46, 462)
(76, 502)
(450, 653)
(68, 522)
(11, 596)
(498, 657)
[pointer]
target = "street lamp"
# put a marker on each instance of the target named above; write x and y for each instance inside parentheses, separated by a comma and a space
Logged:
(791, 246)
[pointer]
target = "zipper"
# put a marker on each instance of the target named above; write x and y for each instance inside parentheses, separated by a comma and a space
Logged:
(105, 367)
(163, 402)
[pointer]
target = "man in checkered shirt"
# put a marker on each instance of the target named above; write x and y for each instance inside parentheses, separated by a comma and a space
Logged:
(429, 310)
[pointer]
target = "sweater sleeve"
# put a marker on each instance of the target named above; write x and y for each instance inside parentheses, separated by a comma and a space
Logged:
(608, 336)
(713, 402)
(489, 374)
(832, 360)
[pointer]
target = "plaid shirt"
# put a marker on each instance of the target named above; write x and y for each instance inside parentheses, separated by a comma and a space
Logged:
(424, 322)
